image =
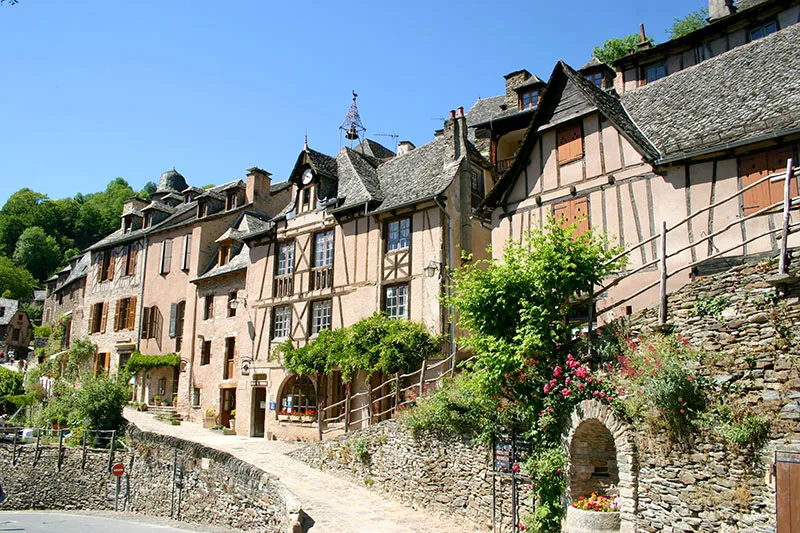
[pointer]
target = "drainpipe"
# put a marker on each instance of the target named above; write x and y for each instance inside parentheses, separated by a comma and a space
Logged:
(449, 269)
(141, 292)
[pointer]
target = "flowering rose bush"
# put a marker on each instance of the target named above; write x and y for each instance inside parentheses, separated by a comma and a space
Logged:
(601, 504)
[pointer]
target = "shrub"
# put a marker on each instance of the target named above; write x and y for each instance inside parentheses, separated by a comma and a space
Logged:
(100, 401)
(361, 450)
(10, 385)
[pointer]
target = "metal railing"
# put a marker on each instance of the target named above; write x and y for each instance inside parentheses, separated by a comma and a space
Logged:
(89, 440)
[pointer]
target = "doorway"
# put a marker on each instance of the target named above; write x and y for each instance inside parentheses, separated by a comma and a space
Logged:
(228, 404)
(259, 411)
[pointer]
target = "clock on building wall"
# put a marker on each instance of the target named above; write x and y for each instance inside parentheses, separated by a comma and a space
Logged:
(308, 175)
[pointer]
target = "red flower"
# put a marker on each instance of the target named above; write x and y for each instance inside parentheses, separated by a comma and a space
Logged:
(565, 392)
(557, 371)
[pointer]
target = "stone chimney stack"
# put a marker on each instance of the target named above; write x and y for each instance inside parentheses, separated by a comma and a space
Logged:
(514, 80)
(718, 9)
(455, 135)
(404, 147)
(258, 183)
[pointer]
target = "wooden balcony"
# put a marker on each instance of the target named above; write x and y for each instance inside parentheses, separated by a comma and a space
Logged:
(504, 164)
(321, 278)
(284, 285)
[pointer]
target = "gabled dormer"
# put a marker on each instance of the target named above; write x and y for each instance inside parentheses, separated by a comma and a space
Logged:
(314, 179)
(155, 213)
(132, 215)
(209, 202)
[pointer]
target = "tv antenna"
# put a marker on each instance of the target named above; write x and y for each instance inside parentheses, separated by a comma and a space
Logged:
(394, 135)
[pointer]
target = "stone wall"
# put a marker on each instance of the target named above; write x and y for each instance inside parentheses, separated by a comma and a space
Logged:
(165, 476)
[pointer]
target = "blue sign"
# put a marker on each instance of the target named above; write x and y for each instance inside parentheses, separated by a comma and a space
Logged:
(272, 406)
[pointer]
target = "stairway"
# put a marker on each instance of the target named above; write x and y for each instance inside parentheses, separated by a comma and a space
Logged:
(165, 411)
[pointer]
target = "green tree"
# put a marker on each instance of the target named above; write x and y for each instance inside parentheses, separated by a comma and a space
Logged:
(10, 385)
(147, 191)
(15, 280)
(100, 401)
(691, 22)
(617, 48)
(37, 252)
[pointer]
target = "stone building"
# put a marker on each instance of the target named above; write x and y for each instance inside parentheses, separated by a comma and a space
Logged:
(65, 298)
(16, 330)
(659, 153)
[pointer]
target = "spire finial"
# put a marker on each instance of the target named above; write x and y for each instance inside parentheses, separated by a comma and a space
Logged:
(352, 127)
(305, 141)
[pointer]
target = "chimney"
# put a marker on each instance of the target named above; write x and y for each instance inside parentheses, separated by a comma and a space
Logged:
(258, 183)
(455, 135)
(644, 42)
(514, 80)
(718, 9)
(404, 147)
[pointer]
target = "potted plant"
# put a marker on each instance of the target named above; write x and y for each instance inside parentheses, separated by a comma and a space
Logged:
(210, 419)
(232, 423)
(593, 513)
(174, 400)
(156, 400)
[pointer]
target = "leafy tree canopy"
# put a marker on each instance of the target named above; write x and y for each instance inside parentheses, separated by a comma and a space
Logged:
(37, 252)
(617, 48)
(10, 385)
(15, 280)
(691, 22)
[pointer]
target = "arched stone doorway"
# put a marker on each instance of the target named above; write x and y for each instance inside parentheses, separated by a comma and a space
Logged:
(602, 459)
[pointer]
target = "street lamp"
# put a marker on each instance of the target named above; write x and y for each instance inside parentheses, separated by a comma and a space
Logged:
(432, 269)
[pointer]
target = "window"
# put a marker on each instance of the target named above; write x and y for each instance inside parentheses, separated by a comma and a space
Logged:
(152, 322)
(230, 350)
(14, 334)
(187, 252)
(758, 166)
(125, 316)
(166, 256)
(2, 311)
(224, 254)
(98, 313)
(573, 211)
(596, 78)
(282, 322)
(305, 202)
(298, 397)
(162, 387)
(529, 99)
(208, 307)
(655, 72)
(232, 302)
(105, 266)
(202, 209)
(398, 234)
(320, 316)
(478, 190)
(102, 363)
(323, 249)
(180, 312)
(205, 353)
(395, 301)
(196, 397)
(130, 260)
(285, 258)
(570, 143)
(231, 200)
(763, 30)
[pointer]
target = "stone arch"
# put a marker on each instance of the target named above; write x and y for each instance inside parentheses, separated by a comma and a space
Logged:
(615, 448)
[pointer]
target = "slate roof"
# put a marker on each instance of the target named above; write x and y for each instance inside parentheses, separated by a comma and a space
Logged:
(486, 109)
(237, 262)
(742, 5)
(278, 187)
(592, 63)
(77, 272)
(739, 95)
(530, 82)
(374, 149)
(11, 307)
(39, 295)
(322, 163)
(248, 225)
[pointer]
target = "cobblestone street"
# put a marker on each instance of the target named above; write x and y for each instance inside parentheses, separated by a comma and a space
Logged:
(334, 504)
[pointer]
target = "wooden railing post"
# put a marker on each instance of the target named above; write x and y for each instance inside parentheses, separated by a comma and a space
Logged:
(347, 410)
(787, 203)
(422, 375)
(396, 392)
(662, 267)
(319, 420)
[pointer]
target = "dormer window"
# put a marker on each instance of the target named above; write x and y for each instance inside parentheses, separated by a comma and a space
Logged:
(529, 99)
(596, 78)
(231, 200)
(202, 210)
(148, 220)
(188, 199)
(224, 254)
(655, 72)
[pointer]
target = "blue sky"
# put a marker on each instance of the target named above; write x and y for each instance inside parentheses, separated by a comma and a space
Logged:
(92, 90)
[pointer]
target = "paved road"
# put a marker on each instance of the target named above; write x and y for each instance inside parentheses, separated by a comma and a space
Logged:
(335, 505)
(49, 522)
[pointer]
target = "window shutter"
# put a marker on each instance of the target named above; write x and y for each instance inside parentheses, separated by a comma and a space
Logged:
(570, 143)
(753, 168)
(580, 213)
(146, 323)
(117, 321)
(776, 162)
(104, 318)
(111, 264)
(173, 319)
(161, 257)
(132, 260)
(91, 318)
(187, 251)
(100, 261)
(167, 255)
(132, 312)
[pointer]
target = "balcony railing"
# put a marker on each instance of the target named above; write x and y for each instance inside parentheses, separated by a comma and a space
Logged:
(322, 277)
(284, 285)
(504, 164)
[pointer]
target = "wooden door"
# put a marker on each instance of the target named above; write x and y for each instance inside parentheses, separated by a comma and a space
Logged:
(787, 492)
(259, 411)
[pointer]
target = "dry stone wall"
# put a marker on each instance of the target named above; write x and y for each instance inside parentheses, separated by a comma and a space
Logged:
(165, 476)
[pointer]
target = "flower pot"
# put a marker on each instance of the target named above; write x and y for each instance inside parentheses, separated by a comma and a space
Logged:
(580, 521)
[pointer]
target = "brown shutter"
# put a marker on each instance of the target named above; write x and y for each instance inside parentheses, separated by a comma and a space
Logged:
(91, 318)
(570, 143)
(100, 267)
(111, 264)
(167, 255)
(776, 163)
(132, 312)
(580, 213)
(117, 309)
(132, 260)
(104, 318)
(145, 323)
(753, 168)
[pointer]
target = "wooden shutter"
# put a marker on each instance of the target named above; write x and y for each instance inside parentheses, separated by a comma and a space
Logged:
(91, 318)
(132, 312)
(161, 257)
(100, 266)
(112, 263)
(146, 323)
(173, 319)
(776, 163)
(570, 143)
(573, 211)
(117, 312)
(187, 252)
(104, 318)
(754, 168)
(132, 252)
(167, 255)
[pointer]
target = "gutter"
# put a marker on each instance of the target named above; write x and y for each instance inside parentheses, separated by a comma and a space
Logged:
(453, 347)
(726, 146)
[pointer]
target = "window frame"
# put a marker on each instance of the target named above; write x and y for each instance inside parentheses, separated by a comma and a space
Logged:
(284, 313)
(655, 66)
(528, 99)
(284, 263)
(405, 305)
(398, 246)
(316, 325)
(327, 258)
(298, 387)
(165, 262)
(208, 307)
(205, 352)
(760, 27)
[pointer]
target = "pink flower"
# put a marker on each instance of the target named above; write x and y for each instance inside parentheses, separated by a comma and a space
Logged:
(546, 388)
(690, 378)
(559, 470)
(553, 383)
(565, 392)
(549, 410)
(557, 371)
(590, 379)
(581, 386)
(596, 394)
(680, 400)
(515, 467)
(568, 380)
(683, 410)
(602, 394)
(582, 372)
(610, 399)
(651, 348)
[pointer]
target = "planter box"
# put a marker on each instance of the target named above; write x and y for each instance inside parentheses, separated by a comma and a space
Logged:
(297, 418)
(209, 423)
(580, 521)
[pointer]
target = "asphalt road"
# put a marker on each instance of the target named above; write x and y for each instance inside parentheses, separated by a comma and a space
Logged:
(49, 522)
